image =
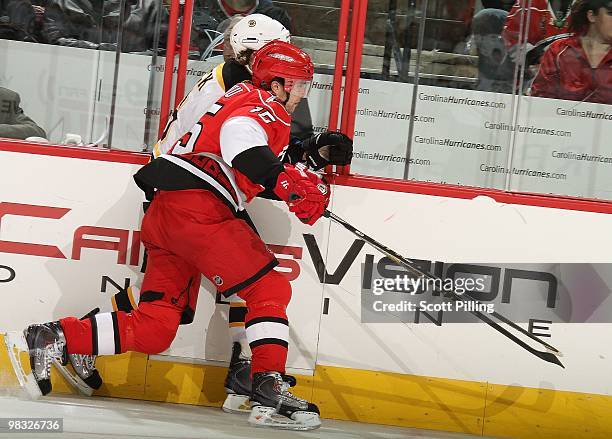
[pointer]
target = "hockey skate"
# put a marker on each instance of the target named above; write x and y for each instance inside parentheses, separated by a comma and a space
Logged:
(275, 407)
(41, 344)
(238, 383)
(86, 377)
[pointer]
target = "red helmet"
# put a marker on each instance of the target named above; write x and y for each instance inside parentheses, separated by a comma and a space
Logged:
(278, 59)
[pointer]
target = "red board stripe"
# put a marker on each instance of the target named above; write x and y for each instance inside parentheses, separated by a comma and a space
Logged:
(78, 152)
(366, 182)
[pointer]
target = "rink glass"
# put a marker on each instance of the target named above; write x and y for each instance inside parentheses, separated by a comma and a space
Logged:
(88, 79)
(443, 97)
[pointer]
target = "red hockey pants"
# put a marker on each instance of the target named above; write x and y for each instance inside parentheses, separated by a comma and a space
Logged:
(187, 233)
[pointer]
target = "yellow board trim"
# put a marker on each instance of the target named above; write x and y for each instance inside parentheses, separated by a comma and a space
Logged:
(396, 399)
(541, 413)
(8, 378)
(369, 396)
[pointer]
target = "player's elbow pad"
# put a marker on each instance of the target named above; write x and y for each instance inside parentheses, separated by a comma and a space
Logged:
(260, 165)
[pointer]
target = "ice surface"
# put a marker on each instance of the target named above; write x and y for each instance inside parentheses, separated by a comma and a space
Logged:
(98, 417)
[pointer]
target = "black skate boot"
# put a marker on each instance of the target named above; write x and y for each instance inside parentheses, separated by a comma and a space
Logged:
(46, 343)
(274, 406)
(238, 383)
(86, 377)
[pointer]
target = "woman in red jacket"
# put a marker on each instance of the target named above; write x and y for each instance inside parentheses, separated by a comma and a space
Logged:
(579, 68)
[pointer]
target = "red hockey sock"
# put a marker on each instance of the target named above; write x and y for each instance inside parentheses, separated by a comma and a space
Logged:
(266, 323)
(78, 335)
(149, 329)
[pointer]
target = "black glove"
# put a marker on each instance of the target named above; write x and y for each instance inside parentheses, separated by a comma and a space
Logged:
(294, 153)
(328, 148)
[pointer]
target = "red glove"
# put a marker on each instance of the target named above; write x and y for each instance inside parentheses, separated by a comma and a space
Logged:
(304, 191)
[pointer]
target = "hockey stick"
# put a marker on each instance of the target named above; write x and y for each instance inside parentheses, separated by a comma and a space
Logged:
(550, 355)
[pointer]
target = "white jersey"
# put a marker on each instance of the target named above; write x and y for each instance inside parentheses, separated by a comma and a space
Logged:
(198, 101)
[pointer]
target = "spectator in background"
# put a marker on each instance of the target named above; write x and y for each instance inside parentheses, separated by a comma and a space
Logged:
(221, 10)
(21, 20)
(495, 68)
(14, 124)
(579, 68)
(546, 19)
(94, 24)
(452, 38)
(204, 32)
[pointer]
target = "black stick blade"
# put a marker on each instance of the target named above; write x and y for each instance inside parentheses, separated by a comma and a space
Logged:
(550, 357)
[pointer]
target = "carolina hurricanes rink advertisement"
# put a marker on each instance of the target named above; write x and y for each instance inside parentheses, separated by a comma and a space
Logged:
(463, 137)
(69, 239)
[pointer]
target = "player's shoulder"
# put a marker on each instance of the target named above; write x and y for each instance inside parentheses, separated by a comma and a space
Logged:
(231, 73)
(269, 102)
(256, 101)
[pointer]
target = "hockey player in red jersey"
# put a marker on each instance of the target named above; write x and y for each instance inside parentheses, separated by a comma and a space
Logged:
(245, 37)
(197, 224)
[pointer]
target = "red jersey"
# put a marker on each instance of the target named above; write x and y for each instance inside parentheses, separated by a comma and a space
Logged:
(203, 152)
(565, 73)
(543, 22)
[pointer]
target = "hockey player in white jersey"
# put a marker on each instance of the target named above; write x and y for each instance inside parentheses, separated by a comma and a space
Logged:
(246, 36)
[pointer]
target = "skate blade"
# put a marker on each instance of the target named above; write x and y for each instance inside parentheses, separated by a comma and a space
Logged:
(234, 403)
(73, 379)
(19, 354)
(262, 416)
